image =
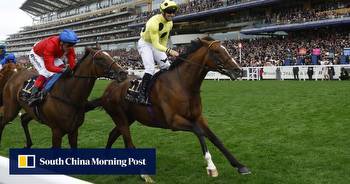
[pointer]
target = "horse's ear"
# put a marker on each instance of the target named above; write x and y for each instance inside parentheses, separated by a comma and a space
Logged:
(203, 41)
(98, 46)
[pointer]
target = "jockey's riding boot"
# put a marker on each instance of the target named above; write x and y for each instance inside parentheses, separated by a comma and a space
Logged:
(142, 98)
(34, 97)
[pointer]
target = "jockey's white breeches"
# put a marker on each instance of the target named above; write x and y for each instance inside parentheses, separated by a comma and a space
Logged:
(39, 65)
(149, 54)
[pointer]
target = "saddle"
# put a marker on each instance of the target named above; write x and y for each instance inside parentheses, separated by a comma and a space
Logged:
(134, 88)
(26, 92)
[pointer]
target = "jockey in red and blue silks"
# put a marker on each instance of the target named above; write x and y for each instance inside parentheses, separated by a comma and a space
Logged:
(10, 58)
(2, 52)
(48, 56)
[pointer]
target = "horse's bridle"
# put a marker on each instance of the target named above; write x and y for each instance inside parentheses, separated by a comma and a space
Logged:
(108, 72)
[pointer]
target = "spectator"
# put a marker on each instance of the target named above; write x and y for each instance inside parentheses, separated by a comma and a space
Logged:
(344, 74)
(296, 72)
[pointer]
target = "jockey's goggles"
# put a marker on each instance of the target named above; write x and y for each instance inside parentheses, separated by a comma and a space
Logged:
(170, 10)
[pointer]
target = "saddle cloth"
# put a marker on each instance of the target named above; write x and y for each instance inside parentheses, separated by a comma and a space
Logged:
(134, 88)
(28, 85)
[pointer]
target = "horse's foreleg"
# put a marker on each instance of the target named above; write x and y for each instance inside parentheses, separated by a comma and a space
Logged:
(211, 168)
(181, 123)
(216, 141)
(56, 137)
(25, 119)
(73, 139)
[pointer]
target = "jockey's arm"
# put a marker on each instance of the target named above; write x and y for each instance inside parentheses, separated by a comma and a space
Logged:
(49, 61)
(154, 34)
(71, 58)
(164, 41)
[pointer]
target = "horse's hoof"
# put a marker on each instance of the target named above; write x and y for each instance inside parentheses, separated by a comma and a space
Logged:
(243, 171)
(147, 178)
(213, 172)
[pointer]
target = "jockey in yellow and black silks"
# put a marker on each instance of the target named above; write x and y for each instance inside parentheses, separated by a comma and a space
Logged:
(152, 45)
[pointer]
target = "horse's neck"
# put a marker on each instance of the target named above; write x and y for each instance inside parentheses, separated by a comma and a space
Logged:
(192, 73)
(79, 89)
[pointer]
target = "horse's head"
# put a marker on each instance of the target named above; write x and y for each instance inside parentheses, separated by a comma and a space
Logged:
(103, 65)
(218, 59)
(6, 72)
(10, 68)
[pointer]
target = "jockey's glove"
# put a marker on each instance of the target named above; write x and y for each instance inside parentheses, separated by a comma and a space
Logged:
(67, 71)
(173, 53)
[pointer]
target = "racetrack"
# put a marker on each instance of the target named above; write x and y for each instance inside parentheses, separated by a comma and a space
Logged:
(284, 131)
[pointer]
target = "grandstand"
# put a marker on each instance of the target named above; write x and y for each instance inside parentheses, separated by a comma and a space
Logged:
(272, 32)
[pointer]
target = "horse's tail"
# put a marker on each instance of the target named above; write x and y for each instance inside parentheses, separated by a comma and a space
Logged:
(93, 104)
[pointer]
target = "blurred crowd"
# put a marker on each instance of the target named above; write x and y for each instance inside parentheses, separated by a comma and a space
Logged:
(318, 12)
(302, 47)
(306, 47)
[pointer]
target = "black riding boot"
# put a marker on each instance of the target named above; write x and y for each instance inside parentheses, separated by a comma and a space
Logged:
(34, 97)
(142, 98)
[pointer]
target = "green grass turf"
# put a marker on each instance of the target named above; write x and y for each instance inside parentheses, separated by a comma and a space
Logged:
(284, 131)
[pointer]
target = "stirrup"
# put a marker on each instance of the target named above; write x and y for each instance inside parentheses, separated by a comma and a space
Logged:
(33, 100)
(36, 98)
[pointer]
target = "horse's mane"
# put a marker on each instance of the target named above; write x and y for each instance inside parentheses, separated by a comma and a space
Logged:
(195, 45)
(87, 52)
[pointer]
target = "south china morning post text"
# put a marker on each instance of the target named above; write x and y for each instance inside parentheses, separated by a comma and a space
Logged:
(93, 161)
(82, 161)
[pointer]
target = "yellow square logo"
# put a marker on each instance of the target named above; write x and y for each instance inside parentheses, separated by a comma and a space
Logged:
(26, 161)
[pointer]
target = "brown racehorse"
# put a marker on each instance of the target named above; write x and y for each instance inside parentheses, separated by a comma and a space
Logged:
(62, 110)
(175, 99)
(5, 73)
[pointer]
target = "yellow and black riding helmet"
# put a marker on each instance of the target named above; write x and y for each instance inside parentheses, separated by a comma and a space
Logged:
(169, 6)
